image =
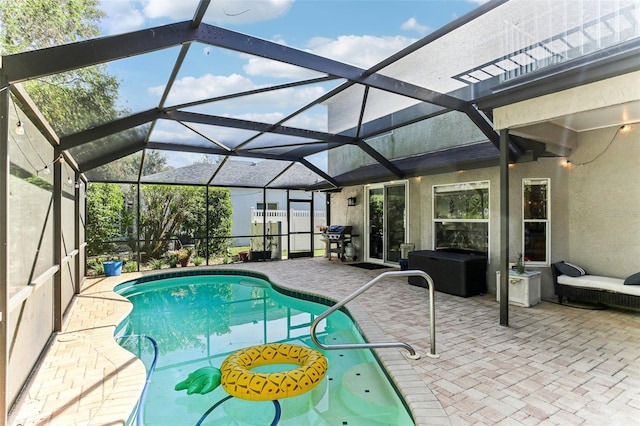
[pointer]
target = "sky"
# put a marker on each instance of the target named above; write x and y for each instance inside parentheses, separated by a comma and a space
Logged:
(357, 32)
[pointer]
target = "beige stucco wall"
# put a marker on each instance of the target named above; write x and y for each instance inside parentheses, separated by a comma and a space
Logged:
(595, 208)
(618, 90)
(604, 202)
(438, 133)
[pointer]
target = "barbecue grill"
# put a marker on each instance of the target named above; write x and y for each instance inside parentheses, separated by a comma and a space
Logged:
(339, 237)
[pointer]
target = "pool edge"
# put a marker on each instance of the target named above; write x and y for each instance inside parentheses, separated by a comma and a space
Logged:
(424, 407)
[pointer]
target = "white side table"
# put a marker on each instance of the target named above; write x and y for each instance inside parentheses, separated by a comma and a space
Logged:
(524, 289)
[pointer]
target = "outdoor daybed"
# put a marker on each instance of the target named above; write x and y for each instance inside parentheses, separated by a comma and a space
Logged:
(573, 283)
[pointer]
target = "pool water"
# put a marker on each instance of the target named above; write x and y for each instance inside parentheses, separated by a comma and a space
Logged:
(181, 324)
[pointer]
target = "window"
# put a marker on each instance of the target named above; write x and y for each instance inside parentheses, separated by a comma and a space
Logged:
(270, 206)
(535, 221)
(461, 216)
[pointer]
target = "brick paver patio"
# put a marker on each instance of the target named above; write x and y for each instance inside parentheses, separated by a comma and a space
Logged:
(554, 365)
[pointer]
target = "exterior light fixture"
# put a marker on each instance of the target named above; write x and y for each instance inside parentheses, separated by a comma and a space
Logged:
(46, 170)
(19, 128)
(351, 201)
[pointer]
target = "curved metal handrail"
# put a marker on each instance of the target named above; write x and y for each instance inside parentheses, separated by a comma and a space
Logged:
(412, 352)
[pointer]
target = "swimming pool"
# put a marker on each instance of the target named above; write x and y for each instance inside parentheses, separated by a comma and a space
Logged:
(181, 324)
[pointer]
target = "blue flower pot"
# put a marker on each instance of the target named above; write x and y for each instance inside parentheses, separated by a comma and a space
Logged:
(112, 268)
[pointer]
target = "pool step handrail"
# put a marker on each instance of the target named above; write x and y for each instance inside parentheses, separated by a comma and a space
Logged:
(412, 353)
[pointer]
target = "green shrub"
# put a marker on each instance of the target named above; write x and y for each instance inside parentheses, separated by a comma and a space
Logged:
(130, 266)
(156, 263)
(91, 264)
(98, 268)
(173, 259)
(197, 261)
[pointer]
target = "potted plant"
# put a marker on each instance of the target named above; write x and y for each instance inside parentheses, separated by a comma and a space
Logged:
(519, 264)
(258, 250)
(172, 258)
(112, 267)
(184, 255)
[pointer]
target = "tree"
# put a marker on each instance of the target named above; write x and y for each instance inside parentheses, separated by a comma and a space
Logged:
(79, 99)
(104, 205)
(73, 100)
(220, 221)
(180, 212)
(166, 209)
(36, 24)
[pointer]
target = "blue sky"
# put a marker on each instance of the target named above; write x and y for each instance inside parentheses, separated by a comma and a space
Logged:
(358, 32)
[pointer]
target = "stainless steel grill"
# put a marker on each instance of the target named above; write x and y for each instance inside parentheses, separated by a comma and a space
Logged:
(339, 237)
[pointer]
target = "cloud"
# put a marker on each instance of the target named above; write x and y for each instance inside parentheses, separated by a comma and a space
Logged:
(242, 11)
(206, 86)
(180, 135)
(219, 11)
(188, 89)
(314, 121)
(269, 68)
(124, 16)
(362, 51)
(121, 17)
(317, 121)
(180, 10)
(412, 24)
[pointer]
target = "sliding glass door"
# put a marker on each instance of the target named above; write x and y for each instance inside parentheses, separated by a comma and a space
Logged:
(386, 219)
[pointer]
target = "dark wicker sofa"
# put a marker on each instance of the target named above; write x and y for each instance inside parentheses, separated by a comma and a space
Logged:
(586, 289)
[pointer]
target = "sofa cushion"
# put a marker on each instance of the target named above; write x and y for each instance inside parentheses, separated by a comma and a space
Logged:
(570, 269)
(600, 283)
(633, 279)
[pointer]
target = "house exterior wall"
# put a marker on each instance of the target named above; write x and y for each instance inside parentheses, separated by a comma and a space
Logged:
(342, 214)
(604, 202)
(437, 133)
(595, 208)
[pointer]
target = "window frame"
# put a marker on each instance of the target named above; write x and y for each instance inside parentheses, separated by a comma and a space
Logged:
(456, 187)
(546, 221)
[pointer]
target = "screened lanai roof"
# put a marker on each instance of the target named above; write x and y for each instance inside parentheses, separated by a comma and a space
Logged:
(190, 92)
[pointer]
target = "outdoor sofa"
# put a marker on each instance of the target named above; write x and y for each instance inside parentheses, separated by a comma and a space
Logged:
(573, 283)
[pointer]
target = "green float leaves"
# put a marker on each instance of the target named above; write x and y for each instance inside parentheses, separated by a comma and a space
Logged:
(201, 381)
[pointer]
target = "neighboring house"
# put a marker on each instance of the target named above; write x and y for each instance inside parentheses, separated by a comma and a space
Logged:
(248, 202)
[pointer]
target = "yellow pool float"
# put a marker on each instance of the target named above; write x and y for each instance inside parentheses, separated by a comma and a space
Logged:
(239, 381)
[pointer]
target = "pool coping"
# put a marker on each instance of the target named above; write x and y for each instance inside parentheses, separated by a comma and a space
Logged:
(122, 375)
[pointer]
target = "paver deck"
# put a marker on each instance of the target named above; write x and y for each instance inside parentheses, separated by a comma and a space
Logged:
(554, 364)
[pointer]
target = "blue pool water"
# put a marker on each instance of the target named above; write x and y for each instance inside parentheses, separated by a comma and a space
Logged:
(181, 324)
